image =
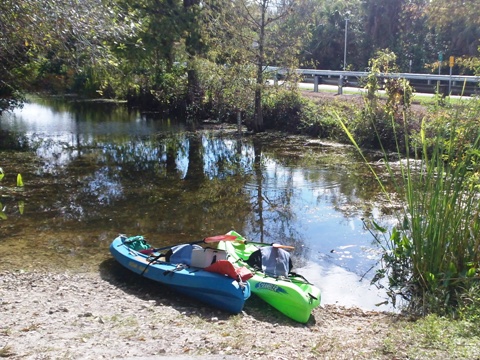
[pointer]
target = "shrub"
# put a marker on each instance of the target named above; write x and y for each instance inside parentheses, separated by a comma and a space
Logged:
(289, 111)
(282, 110)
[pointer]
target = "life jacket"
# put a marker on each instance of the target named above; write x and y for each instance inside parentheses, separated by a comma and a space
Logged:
(225, 267)
(272, 261)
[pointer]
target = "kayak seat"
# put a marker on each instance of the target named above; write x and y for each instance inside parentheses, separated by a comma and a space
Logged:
(181, 254)
(271, 260)
(194, 255)
(202, 258)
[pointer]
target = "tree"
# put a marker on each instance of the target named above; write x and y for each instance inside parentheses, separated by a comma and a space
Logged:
(170, 43)
(193, 46)
(325, 48)
(457, 25)
(38, 33)
(15, 51)
(382, 24)
(152, 60)
(265, 17)
(250, 35)
(416, 41)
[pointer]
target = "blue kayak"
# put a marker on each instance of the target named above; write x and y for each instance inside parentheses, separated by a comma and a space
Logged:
(214, 289)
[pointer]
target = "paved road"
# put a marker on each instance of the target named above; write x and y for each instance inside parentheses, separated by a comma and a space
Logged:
(354, 90)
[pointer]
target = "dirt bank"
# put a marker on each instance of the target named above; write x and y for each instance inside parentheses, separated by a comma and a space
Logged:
(119, 315)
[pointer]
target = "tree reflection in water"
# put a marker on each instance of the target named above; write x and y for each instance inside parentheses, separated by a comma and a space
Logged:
(93, 172)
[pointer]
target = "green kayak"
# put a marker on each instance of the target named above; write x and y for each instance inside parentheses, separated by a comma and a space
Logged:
(287, 292)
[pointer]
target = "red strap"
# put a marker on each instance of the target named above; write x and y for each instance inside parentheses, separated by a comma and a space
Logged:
(244, 273)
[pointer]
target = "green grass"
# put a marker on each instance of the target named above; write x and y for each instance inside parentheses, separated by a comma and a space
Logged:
(432, 337)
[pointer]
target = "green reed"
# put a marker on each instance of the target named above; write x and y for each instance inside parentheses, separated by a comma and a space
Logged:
(431, 256)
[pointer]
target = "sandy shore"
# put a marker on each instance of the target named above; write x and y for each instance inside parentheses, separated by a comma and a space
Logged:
(118, 315)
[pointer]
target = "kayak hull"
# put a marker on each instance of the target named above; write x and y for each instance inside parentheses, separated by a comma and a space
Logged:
(294, 297)
(213, 289)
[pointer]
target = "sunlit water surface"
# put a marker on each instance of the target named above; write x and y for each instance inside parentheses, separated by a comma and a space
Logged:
(99, 170)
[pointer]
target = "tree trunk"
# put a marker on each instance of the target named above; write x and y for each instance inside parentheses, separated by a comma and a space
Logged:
(257, 165)
(192, 46)
(193, 86)
(239, 121)
(258, 116)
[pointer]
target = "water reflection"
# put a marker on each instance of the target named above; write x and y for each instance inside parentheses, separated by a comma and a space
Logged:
(99, 170)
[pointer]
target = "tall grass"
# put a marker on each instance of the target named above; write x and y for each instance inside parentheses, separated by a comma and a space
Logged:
(431, 256)
(440, 233)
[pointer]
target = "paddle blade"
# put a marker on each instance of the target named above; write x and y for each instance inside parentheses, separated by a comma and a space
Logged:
(280, 246)
(212, 239)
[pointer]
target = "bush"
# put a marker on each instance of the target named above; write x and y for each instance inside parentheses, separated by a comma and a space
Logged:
(384, 123)
(289, 111)
(282, 111)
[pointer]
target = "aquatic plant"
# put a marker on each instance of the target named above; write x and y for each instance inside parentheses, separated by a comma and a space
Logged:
(431, 256)
(19, 180)
(4, 190)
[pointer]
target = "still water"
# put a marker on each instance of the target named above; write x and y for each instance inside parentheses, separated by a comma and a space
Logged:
(97, 170)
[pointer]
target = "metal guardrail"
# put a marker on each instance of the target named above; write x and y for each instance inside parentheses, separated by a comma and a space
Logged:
(317, 74)
(412, 76)
(360, 74)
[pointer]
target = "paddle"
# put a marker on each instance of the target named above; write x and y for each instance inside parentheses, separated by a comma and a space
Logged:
(280, 246)
(275, 245)
(207, 240)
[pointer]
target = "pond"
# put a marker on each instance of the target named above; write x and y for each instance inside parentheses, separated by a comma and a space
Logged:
(95, 170)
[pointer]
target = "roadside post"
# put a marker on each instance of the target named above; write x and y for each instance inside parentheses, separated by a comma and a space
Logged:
(451, 63)
(316, 80)
(440, 59)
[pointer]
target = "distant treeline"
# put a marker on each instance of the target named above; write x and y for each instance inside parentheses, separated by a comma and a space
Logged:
(192, 55)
